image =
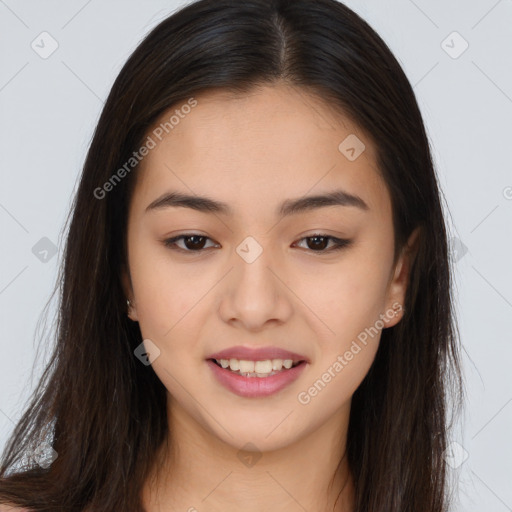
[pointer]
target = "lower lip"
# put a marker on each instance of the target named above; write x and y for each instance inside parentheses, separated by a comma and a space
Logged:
(253, 387)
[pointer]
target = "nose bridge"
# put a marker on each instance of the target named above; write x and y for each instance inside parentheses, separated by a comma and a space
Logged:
(254, 293)
(254, 280)
(255, 274)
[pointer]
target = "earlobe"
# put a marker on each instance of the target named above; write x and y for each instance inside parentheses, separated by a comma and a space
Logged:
(128, 291)
(132, 313)
(398, 286)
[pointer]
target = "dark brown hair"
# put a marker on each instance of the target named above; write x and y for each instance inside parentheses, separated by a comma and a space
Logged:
(102, 411)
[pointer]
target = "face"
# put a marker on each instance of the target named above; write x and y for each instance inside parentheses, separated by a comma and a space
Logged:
(314, 282)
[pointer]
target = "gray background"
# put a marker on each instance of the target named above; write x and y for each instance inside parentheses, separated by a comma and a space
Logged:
(49, 108)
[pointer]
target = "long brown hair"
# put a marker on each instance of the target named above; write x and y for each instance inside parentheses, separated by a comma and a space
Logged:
(102, 411)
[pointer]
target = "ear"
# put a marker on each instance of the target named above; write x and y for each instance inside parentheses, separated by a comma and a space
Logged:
(126, 283)
(399, 280)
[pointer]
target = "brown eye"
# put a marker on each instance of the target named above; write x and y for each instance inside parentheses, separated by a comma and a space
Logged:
(319, 243)
(192, 242)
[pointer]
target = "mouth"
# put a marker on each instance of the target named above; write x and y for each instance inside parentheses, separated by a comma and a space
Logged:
(256, 373)
(260, 368)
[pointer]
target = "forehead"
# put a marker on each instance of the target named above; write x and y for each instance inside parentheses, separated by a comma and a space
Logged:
(271, 142)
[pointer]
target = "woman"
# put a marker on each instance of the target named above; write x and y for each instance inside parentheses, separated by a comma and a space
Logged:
(256, 292)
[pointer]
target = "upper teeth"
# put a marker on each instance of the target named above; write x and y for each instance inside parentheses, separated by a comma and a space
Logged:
(265, 366)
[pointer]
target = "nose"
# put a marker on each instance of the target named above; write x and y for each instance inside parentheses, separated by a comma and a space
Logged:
(255, 294)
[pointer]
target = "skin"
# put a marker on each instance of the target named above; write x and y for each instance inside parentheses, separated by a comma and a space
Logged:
(253, 151)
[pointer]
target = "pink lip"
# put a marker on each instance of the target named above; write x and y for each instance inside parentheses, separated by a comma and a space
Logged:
(252, 387)
(257, 354)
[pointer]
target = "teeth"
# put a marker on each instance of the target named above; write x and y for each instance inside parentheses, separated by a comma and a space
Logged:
(277, 364)
(259, 368)
(263, 366)
(246, 366)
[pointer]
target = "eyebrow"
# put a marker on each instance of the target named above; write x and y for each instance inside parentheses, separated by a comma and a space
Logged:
(287, 207)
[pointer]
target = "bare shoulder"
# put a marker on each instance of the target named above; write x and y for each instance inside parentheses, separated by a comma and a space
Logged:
(12, 508)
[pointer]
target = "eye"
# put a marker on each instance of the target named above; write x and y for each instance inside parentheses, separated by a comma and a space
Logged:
(319, 241)
(315, 243)
(192, 242)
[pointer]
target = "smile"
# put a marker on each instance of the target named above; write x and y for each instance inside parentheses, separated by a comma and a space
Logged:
(253, 379)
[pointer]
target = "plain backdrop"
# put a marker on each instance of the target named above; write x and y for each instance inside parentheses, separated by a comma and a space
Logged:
(457, 56)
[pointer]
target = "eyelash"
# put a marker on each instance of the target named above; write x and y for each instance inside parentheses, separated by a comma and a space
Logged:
(339, 243)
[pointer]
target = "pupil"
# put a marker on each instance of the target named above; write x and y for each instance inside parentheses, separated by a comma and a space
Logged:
(315, 245)
(194, 245)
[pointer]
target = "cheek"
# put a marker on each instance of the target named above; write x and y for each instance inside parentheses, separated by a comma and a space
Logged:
(168, 302)
(347, 297)
(166, 293)
(346, 321)
(346, 301)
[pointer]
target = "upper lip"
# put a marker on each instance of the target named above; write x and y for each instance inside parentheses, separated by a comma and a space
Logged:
(257, 354)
